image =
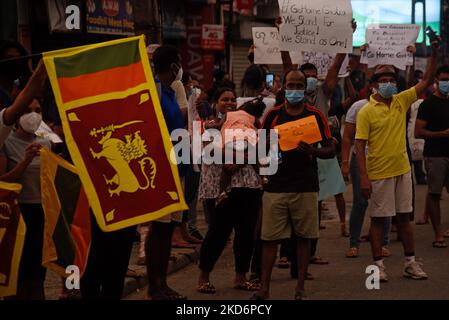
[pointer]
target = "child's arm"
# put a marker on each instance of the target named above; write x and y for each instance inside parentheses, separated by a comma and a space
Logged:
(214, 124)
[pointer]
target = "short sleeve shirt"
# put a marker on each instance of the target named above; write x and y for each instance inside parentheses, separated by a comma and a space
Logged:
(384, 128)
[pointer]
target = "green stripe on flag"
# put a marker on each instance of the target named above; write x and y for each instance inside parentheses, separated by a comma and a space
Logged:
(68, 186)
(99, 59)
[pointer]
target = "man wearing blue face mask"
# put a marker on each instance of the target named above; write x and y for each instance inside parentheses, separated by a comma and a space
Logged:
(290, 201)
(385, 174)
(432, 124)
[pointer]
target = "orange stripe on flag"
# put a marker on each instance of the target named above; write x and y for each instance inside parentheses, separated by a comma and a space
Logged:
(93, 84)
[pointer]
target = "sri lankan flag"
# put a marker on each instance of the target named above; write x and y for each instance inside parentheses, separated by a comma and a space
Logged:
(115, 131)
(12, 237)
(67, 220)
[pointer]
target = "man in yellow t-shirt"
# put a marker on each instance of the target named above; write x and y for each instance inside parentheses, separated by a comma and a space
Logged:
(385, 175)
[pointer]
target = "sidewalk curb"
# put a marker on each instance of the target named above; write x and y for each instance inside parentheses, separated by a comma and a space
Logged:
(137, 283)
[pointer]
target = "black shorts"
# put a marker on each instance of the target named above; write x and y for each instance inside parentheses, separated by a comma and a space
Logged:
(31, 268)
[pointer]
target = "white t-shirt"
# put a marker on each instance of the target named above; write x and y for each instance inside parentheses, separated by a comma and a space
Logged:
(4, 129)
(351, 116)
(416, 145)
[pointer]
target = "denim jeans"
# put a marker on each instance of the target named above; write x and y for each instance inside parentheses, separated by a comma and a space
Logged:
(359, 205)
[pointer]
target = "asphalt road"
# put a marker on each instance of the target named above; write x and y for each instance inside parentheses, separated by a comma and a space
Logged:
(343, 278)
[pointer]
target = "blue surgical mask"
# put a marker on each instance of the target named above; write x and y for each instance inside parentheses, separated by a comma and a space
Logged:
(443, 86)
(294, 96)
(312, 84)
(387, 90)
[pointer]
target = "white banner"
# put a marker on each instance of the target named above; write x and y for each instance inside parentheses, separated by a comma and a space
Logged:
(388, 44)
(316, 25)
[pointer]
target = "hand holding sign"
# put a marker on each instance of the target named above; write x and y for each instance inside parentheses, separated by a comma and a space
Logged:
(293, 132)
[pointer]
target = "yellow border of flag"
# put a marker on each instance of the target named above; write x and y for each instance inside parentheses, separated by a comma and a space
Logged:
(73, 148)
(11, 289)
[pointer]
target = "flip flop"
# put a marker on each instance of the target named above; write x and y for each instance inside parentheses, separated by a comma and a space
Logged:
(439, 244)
(247, 286)
(206, 288)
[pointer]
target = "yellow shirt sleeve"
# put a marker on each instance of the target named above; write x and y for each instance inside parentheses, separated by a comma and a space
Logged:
(362, 126)
(407, 98)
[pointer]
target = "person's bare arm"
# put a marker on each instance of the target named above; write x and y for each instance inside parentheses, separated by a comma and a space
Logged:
(348, 137)
(365, 184)
(287, 63)
(26, 96)
(430, 70)
(332, 74)
(422, 133)
(352, 95)
(327, 151)
(411, 69)
(14, 175)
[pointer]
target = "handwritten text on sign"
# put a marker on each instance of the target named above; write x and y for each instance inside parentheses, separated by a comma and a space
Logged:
(266, 42)
(318, 25)
(291, 133)
(388, 44)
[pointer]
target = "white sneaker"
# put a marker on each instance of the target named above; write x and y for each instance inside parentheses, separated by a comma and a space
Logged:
(383, 277)
(414, 271)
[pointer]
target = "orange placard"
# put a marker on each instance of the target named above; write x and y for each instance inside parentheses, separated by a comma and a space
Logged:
(291, 133)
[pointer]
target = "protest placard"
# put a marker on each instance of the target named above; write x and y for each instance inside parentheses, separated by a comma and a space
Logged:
(388, 44)
(266, 51)
(319, 25)
(291, 133)
(266, 42)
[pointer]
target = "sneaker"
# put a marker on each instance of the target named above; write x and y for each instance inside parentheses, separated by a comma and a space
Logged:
(414, 271)
(383, 277)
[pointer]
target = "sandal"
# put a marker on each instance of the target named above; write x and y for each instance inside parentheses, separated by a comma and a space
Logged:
(206, 288)
(247, 286)
(254, 278)
(318, 260)
(439, 244)
(301, 295)
(352, 253)
(446, 234)
(283, 263)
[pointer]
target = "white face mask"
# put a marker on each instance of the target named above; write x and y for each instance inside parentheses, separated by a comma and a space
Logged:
(30, 122)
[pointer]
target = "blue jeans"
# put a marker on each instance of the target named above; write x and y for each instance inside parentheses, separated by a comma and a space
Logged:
(359, 205)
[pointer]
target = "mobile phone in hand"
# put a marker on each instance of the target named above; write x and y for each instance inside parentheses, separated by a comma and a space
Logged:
(269, 80)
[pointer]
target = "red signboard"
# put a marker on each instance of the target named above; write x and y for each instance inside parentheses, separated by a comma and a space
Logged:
(213, 37)
(199, 62)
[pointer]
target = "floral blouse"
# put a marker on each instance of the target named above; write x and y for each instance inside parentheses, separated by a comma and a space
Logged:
(246, 177)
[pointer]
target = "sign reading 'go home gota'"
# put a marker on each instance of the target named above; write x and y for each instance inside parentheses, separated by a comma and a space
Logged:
(115, 131)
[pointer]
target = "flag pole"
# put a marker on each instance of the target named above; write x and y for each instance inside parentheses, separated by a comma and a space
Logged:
(22, 57)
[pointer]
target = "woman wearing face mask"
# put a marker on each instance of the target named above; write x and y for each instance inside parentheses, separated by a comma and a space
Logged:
(20, 163)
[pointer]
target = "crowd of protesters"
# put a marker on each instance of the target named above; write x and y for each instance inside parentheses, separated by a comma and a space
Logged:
(377, 107)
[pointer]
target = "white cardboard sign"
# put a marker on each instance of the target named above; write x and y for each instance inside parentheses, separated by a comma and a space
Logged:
(316, 25)
(388, 44)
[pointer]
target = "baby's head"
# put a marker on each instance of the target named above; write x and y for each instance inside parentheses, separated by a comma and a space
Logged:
(254, 107)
